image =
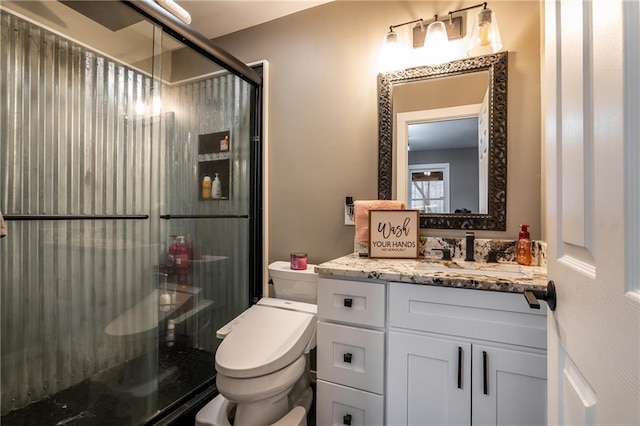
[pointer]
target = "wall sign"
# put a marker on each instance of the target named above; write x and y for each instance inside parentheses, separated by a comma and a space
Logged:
(394, 233)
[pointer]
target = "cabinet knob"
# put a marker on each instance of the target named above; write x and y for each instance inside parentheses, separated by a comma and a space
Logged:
(347, 357)
(348, 303)
(346, 419)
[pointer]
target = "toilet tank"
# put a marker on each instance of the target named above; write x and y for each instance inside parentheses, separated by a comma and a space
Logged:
(292, 284)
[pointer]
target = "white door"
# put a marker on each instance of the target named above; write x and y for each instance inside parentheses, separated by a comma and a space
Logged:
(592, 146)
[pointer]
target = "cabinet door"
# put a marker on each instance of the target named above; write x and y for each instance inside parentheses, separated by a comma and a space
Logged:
(429, 381)
(509, 387)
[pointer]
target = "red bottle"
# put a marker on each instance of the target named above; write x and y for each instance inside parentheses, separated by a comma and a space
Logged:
(171, 255)
(182, 257)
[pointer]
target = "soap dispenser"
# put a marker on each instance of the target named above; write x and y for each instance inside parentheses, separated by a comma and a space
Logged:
(523, 246)
(216, 188)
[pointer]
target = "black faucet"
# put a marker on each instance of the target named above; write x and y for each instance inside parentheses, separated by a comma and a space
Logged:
(446, 253)
(470, 238)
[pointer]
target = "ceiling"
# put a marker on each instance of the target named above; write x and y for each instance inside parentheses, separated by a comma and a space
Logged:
(115, 30)
(215, 18)
(447, 134)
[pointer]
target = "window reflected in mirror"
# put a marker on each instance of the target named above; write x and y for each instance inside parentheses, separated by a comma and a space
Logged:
(429, 189)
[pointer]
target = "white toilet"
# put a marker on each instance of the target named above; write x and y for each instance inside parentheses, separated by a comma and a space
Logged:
(262, 366)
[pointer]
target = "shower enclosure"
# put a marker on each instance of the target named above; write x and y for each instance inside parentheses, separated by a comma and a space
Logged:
(118, 268)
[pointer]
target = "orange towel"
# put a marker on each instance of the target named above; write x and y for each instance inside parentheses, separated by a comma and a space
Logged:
(361, 213)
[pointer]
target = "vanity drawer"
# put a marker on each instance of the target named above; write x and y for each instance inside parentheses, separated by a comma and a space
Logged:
(488, 315)
(351, 356)
(351, 301)
(340, 405)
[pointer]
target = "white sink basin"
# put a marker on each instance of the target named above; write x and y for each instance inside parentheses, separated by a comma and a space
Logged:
(455, 269)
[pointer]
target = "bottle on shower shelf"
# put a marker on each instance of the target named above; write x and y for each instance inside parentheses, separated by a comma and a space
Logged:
(216, 188)
(171, 332)
(182, 256)
(170, 264)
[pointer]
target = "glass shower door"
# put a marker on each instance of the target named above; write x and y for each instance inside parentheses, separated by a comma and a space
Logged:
(204, 210)
(107, 129)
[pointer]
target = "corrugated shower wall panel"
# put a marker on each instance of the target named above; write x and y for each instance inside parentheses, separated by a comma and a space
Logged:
(70, 144)
(214, 104)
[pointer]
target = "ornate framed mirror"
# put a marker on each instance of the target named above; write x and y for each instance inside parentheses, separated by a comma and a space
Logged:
(437, 100)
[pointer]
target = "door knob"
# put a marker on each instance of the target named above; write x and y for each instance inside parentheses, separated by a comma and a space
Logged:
(548, 295)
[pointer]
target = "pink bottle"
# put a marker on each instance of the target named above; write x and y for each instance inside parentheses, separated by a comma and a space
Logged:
(171, 255)
(182, 256)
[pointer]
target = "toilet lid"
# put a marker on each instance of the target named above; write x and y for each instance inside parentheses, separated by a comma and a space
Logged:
(265, 340)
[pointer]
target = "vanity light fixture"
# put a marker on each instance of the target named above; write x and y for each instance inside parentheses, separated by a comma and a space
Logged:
(432, 37)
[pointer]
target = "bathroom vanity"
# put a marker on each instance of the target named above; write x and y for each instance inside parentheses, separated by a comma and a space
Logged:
(429, 342)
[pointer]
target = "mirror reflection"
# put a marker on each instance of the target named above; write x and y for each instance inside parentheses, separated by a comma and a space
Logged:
(446, 163)
(442, 145)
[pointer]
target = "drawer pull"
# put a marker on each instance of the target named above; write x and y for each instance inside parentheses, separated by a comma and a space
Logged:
(346, 419)
(485, 373)
(347, 358)
(348, 303)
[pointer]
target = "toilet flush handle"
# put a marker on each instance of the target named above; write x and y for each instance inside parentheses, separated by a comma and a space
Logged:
(346, 419)
(347, 357)
(348, 303)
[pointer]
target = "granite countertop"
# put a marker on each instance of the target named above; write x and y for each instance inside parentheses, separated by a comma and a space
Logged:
(506, 277)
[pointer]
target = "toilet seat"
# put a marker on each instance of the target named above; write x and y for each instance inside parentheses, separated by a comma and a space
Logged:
(267, 339)
(257, 388)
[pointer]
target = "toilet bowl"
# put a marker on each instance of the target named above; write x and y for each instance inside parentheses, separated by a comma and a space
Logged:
(262, 367)
(217, 413)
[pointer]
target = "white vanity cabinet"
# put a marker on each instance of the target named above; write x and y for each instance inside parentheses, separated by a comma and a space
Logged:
(462, 357)
(351, 352)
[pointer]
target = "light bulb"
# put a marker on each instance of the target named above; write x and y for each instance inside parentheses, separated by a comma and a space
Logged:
(484, 35)
(485, 38)
(156, 105)
(435, 43)
(392, 56)
(484, 24)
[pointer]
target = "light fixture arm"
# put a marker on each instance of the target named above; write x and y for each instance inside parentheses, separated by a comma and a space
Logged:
(484, 6)
(435, 17)
(391, 27)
